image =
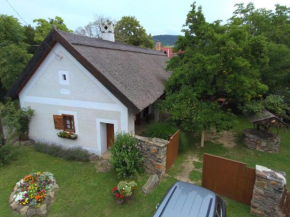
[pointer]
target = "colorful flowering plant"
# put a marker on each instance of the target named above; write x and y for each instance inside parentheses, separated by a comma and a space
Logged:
(127, 188)
(120, 198)
(69, 135)
(33, 188)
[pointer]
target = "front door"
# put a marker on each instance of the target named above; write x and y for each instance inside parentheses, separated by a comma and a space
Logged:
(110, 135)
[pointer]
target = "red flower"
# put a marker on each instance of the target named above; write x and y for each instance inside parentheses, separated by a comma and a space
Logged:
(120, 196)
(114, 189)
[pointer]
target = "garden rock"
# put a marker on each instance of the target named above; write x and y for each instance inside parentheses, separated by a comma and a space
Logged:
(13, 205)
(23, 211)
(151, 183)
(11, 197)
(51, 194)
(31, 212)
(42, 210)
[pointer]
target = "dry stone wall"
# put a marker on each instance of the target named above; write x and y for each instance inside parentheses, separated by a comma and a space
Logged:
(154, 151)
(253, 141)
(268, 190)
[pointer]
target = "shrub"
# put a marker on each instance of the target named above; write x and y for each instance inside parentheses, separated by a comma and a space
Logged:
(77, 154)
(15, 118)
(7, 154)
(165, 130)
(126, 155)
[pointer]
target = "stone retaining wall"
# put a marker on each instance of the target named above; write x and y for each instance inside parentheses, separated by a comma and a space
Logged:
(268, 190)
(261, 143)
(154, 151)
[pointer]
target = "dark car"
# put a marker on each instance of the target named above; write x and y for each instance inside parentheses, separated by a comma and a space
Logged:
(185, 199)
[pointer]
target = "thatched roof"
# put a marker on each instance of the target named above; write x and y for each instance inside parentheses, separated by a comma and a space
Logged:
(264, 116)
(135, 75)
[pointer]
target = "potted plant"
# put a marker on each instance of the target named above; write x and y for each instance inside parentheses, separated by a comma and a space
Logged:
(120, 198)
(127, 188)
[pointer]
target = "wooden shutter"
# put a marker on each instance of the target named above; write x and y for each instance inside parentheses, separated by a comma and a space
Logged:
(58, 122)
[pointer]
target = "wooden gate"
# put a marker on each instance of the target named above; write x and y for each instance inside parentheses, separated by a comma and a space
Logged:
(172, 150)
(228, 178)
(285, 203)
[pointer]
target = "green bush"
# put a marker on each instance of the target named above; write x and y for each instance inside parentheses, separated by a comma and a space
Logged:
(7, 154)
(126, 155)
(164, 130)
(77, 154)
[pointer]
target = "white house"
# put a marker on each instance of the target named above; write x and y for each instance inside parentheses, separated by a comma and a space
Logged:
(88, 86)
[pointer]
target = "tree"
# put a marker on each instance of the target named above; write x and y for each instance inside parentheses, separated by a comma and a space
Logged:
(29, 33)
(218, 61)
(13, 51)
(94, 29)
(43, 27)
(275, 27)
(15, 118)
(129, 31)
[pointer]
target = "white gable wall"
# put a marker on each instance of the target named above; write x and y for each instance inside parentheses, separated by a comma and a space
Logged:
(80, 94)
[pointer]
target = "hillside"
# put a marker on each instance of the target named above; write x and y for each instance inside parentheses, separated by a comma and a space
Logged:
(166, 40)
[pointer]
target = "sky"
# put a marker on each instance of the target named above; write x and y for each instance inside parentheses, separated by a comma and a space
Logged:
(158, 17)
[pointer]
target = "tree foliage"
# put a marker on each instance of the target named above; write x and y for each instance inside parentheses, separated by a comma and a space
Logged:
(13, 51)
(15, 118)
(274, 26)
(218, 61)
(94, 29)
(129, 31)
(43, 27)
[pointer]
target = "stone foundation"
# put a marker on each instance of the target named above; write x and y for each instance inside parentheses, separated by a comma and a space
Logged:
(268, 190)
(261, 141)
(154, 151)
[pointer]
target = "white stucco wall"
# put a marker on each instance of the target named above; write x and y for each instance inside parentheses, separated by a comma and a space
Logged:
(85, 97)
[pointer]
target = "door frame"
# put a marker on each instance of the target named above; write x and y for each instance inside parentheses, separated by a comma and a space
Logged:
(103, 147)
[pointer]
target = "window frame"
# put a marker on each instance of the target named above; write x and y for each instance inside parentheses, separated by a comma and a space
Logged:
(72, 123)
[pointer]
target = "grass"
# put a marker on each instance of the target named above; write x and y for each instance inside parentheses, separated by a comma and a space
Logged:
(83, 191)
(240, 153)
(195, 175)
(198, 165)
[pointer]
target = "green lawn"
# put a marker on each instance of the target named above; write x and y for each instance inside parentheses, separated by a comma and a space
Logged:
(85, 192)
(240, 153)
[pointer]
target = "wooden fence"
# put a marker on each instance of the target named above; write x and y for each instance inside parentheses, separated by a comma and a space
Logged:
(285, 203)
(172, 150)
(228, 178)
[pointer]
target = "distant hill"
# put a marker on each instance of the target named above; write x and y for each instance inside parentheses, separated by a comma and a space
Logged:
(166, 40)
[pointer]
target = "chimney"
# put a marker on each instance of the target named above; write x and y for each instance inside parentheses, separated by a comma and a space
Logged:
(158, 45)
(108, 31)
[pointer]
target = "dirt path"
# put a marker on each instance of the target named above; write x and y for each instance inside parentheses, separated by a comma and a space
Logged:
(227, 138)
(186, 168)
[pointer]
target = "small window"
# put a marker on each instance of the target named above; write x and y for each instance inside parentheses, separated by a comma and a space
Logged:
(69, 123)
(64, 122)
(63, 77)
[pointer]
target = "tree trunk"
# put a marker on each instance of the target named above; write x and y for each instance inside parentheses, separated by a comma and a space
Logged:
(2, 142)
(202, 139)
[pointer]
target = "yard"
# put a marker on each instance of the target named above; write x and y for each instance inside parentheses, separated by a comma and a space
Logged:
(86, 192)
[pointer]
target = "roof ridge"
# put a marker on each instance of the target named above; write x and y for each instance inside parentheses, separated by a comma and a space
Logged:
(86, 45)
(110, 45)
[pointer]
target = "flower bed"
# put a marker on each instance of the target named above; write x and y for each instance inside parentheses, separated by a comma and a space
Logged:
(67, 135)
(124, 191)
(33, 194)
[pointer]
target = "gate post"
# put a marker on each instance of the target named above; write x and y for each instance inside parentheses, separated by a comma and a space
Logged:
(268, 190)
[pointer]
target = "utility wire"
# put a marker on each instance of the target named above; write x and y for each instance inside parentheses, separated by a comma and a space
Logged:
(27, 25)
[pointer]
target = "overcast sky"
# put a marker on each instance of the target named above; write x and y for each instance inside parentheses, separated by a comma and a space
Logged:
(156, 16)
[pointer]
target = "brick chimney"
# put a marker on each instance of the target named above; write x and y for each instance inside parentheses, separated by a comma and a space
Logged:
(158, 45)
(108, 31)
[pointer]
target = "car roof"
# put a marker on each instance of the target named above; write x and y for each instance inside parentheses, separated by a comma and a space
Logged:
(185, 199)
